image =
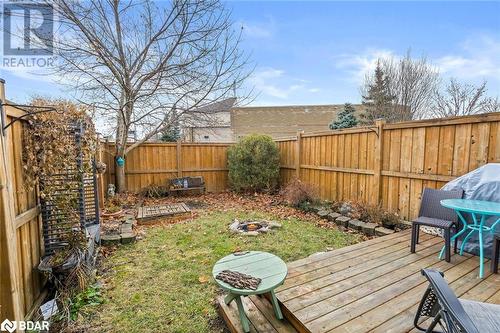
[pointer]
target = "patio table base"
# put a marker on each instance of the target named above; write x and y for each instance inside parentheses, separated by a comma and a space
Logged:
(478, 227)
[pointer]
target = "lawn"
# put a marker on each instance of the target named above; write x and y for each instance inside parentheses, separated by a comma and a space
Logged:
(163, 282)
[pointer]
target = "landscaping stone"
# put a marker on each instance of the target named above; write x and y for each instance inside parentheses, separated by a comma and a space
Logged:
(381, 231)
(107, 240)
(127, 238)
(356, 224)
(333, 216)
(129, 220)
(250, 233)
(315, 209)
(346, 208)
(368, 228)
(125, 228)
(323, 213)
(403, 225)
(342, 220)
(273, 224)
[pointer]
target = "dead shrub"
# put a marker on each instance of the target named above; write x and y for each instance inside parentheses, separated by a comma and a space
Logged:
(374, 214)
(154, 191)
(296, 193)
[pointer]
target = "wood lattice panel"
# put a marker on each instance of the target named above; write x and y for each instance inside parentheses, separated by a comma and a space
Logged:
(158, 211)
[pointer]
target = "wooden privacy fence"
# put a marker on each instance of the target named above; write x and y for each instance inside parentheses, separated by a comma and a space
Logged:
(21, 243)
(387, 164)
(156, 163)
(390, 164)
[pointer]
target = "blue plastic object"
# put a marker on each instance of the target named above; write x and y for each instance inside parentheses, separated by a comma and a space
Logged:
(120, 161)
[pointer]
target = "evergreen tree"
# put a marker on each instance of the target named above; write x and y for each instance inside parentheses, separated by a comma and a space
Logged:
(346, 118)
(378, 100)
(172, 134)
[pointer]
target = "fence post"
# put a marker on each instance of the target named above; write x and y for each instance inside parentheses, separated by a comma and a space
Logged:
(379, 145)
(179, 158)
(298, 152)
(100, 176)
(10, 297)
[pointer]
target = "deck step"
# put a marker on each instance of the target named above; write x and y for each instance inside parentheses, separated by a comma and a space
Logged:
(260, 313)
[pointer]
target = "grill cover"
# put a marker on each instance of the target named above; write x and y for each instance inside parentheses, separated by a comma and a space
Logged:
(480, 184)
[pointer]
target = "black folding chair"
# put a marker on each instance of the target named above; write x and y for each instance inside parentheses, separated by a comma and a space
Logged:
(432, 214)
(452, 314)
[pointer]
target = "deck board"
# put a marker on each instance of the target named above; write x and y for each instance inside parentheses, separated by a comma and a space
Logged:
(375, 286)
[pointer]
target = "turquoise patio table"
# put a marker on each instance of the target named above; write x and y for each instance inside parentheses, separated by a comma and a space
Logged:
(266, 266)
(480, 211)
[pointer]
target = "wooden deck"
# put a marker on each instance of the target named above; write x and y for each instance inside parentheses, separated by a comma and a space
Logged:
(373, 286)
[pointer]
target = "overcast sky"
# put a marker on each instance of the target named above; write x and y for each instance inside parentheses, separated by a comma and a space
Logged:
(317, 52)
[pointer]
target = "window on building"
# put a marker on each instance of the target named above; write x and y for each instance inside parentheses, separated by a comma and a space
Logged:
(206, 137)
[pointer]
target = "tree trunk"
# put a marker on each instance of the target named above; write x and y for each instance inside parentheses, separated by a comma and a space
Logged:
(119, 178)
(119, 170)
(121, 142)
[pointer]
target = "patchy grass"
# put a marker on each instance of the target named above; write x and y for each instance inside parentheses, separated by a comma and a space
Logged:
(160, 283)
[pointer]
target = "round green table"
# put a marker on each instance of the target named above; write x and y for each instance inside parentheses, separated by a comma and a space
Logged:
(266, 266)
(479, 210)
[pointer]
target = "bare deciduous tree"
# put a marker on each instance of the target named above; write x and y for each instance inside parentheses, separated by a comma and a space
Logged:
(461, 99)
(145, 64)
(410, 82)
(492, 105)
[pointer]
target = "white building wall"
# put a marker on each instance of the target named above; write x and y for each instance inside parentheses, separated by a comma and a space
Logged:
(216, 134)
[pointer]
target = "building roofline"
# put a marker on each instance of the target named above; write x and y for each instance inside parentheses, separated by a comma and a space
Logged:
(291, 106)
(203, 127)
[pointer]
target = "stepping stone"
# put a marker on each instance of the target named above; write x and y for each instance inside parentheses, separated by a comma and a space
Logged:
(356, 224)
(107, 240)
(381, 231)
(404, 225)
(342, 220)
(333, 216)
(315, 209)
(368, 228)
(125, 227)
(127, 238)
(323, 213)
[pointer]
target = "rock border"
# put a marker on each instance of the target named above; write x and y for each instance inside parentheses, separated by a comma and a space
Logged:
(367, 228)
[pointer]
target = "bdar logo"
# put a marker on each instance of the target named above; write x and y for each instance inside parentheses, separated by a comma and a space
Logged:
(8, 325)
